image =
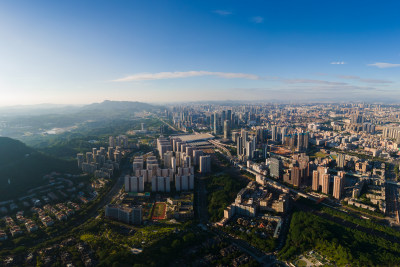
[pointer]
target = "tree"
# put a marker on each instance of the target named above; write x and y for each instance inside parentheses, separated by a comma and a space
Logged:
(176, 244)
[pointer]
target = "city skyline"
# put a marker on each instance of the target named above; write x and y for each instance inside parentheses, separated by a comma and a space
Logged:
(85, 52)
(199, 133)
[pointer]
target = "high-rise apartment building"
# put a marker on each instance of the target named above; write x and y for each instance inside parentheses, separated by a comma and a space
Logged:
(340, 160)
(239, 146)
(227, 130)
(295, 174)
(205, 164)
(284, 132)
(338, 184)
(274, 133)
(160, 184)
(163, 145)
(275, 168)
(315, 180)
(325, 183)
(134, 184)
(249, 150)
(196, 157)
(244, 135)
(184, 182)
(216, 123)
(229, 116)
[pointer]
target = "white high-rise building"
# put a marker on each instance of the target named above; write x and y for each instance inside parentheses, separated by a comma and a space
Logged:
(196, 157)
(173, 164)
(134, 184)
(249, 149)
(167, 159)
(160, 184)
(184, 179)
(184, 182)
(205, 164)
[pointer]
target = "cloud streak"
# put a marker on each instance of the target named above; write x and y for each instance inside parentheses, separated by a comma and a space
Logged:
(338, 63)
(257, 19)
(301, 81)
(349, 77)
(345, 88)
(376, 81)
(185, 74)
(383, 65)
(222, 12)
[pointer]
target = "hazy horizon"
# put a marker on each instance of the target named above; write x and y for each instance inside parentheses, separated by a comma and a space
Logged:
(265, 101)
(83, 52)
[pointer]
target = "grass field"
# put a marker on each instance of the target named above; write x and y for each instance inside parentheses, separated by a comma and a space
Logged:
(320, 155)
(301, 263)
(159, 211)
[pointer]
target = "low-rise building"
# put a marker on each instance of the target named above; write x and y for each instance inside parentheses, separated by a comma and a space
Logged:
(129, 215)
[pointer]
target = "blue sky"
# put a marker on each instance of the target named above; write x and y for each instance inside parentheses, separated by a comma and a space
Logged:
(159, 51)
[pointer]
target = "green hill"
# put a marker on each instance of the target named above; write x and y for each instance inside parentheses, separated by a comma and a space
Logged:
(12, 150)
(109, 106)
(25, 167)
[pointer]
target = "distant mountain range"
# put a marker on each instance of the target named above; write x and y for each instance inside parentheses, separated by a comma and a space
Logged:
(105, 106)
(25, 168)
(120, 105)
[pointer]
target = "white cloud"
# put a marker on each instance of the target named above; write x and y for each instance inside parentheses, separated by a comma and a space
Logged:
(185, 74)
(346, 87)
(383, 65)
(350, 77)
(300, 81)
(223, 12)
(375, 81)
(257, 19)
(338, 63)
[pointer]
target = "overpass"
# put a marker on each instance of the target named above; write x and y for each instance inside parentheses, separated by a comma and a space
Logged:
(222, 147)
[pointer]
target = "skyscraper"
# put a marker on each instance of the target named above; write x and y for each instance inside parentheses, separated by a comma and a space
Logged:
(196, 157)
(216, 126)
(274, 133)
(340, 160)
(325, 183)
(223, 115)
(229, 117)
(244, 136)
(283, 134)
(338, 184)
(315, 180)
(249, 149)
(275, 168)
(227, 130)
(239, 146)
(134, 184)
(302, 142)
(260, 135)
(296, 176)
(205, 164)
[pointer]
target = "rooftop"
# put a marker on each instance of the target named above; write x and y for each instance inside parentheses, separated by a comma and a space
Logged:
(195, 137)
